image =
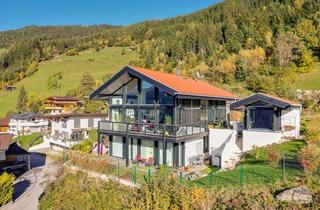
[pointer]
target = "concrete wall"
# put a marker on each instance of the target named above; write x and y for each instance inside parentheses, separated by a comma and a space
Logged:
(191, 149)
(2, 155)
(259, 138)
(218, 136)
(291, 118)
(223, 146)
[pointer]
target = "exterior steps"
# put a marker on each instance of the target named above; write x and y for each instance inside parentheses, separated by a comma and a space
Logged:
(239, 144)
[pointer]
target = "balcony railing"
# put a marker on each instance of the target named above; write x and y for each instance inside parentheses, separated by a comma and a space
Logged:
(153, 129)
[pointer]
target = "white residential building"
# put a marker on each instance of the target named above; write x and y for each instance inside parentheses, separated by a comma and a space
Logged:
(28, 123)
(69, 129)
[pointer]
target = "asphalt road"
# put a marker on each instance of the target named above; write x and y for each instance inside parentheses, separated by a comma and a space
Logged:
(30, 185)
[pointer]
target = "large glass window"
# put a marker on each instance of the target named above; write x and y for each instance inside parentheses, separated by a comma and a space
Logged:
(116, 115)
(148, 115)
(132, 92)
(261, 118)
(147, 93)
(165, 98)
(131, 115)
(166, 116)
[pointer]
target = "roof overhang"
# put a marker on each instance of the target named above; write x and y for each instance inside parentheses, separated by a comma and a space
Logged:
(121, 78)
(240, 104)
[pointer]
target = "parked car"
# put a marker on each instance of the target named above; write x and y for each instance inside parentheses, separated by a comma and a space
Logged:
(14, 166)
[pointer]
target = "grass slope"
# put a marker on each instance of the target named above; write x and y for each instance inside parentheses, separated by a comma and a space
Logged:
(309, 81)
(102, 62)
(255, 168)
(29, 140)
(3, 50)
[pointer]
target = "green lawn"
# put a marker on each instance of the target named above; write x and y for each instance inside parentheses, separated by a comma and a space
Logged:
(255, 169)
(309, 81)
(29, 140)
(108, 60)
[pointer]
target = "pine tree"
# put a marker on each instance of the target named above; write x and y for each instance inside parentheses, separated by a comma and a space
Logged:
(22, 101)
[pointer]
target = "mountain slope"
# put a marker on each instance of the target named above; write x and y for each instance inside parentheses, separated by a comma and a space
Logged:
(98, 64)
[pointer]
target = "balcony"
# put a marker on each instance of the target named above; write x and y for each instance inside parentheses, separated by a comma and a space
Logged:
(174, 133)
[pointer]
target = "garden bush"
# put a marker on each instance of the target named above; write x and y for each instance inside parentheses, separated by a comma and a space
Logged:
(310, 158)
(6, 188)
(91, 162)
(273, 156)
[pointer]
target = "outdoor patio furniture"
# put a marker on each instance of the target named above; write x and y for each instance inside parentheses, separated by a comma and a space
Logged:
(150, 161)
(137, 159)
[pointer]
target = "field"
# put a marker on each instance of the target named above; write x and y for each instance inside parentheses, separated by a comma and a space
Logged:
(309, 81)
(108, 60)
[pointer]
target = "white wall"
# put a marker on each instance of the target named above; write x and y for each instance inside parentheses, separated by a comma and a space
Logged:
(190, 150)
(2, 155)
(291, 117)
(259, 138)
(218, 136)
(223, 145)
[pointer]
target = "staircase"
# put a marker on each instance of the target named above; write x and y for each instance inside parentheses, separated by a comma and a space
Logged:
(239, 141)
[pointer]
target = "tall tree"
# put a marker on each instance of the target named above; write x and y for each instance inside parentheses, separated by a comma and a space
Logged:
(22, 101)
(87, 85)
(54, 81)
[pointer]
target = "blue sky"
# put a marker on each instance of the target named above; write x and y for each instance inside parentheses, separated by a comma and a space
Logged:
(19, 13)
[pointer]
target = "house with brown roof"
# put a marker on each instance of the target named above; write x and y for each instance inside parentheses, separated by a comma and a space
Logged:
(4, 125)
(62, 104)
(5, 139)
(160, 118)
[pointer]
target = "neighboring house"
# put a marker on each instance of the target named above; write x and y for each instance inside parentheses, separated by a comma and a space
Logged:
(5, 139)
(27, 123)
(69, 129)
(61, 104)
(10, 88)
(160, 118)
(268, 119)
(4, 125)
(10, 152)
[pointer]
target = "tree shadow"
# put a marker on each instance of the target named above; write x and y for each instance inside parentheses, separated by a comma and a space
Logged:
(20, 187)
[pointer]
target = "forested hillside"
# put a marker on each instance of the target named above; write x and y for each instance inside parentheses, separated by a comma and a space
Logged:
(258, 45)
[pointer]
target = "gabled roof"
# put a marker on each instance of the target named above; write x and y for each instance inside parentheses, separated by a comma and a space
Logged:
(4, 122)
(63, 98)
(15, 149)
(26, 116)
(5, 139)
(266, 98)
(173, 84)
(72, 115)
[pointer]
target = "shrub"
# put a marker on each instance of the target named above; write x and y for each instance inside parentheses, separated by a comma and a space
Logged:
(310, 158)
(273, 156)
(77, 191)
(6, 188)
(91, 162)
(313, 130)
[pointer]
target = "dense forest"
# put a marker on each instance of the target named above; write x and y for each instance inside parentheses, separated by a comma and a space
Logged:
(257, 45)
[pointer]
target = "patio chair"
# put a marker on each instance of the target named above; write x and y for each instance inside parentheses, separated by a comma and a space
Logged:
(137, 159)
(150, 161)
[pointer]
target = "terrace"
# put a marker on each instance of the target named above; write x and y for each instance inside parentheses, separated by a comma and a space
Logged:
(173, 133)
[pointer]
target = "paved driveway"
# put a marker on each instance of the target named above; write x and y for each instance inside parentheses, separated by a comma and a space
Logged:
(29, 186)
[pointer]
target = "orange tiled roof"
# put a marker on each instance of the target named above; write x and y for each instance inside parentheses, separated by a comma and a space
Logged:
(4, 121)
(5, 139)
(183, 85)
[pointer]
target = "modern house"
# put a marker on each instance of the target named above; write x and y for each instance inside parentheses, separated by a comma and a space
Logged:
(268, 119)
(4, 125)
(70, 128)
(61, 104)
(27, 123)
(160, 118)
